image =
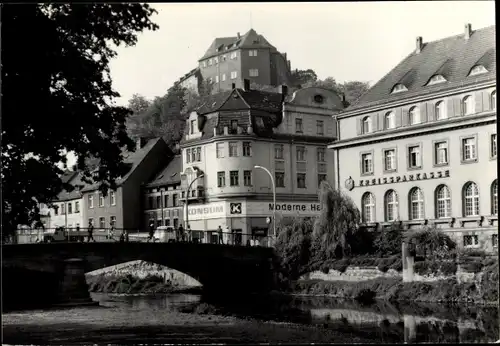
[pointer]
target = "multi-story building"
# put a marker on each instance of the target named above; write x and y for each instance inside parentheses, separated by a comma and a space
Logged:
(162, 196)
(191, 80)
(123, 208)
(67, 210)
(235, 130)
(421, 145)
(230, 60)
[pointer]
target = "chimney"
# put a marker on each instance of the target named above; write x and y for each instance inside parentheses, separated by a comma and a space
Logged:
(246, 84)
(233, 85)
(238, 35)
(289, 65)
(419, 45)
(468, 31)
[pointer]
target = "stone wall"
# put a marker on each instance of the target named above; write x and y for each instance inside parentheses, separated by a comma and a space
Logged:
(351, 274)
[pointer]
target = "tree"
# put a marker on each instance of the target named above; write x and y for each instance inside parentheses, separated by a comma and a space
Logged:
(301, 77)
(336, 225)
(63, 67)
(352, 90)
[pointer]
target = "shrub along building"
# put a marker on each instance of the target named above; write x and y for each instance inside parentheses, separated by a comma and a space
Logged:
(421, 145)
(123, 208)
(237, 129)
(162, 196)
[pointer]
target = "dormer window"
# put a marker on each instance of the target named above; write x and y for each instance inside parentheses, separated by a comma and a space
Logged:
(478, 69)
(399, 88)
(436, 79)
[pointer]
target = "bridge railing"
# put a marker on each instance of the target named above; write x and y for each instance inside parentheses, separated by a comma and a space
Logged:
(74, 234)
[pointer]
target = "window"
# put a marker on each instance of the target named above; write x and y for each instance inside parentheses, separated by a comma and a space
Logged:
(150, 203)
(494, 198)
(219, 149)
(440, 111)
(366, 163)
(469, 149)
(91, 201)
(234, 74)
(223, 77)
(320, 154)
(399, 88)
(224, 57)
(493, 100)
(441, 153)
(279, 179)
(278, 151)
(70, 208)
(233, 178)
(56, 209)
(175, 200)
(493, 145)
(321, 177)
(301, 180)
(414, 157)
(368, 211)
(234, 126)
(77, 207)
(165, 201)
(443, 202)
(233, 149)
(416, 204)
(216, 60)
(101, 199)
(252, 52)
(209, 62)
(471, 199)
(390, 160)
(247, 178)
(112, 197)
(259, 121)
(158, 202)
(192, 125)
(320, 127)
(102, 222)
(188, 155)
(367, 125)
(467, 105)
(63, 209)
(391, 205)
(471, 241)
(414, 115)
(478, 69)
(301, 153)
(221, 179)
(204, 63)
(436, 79)
(390, 121)
(234, 55)
(298, 125)
(253, 72)
(112, 221)
(247, 149)
(494, 240)
(216, 79)
(193, 155)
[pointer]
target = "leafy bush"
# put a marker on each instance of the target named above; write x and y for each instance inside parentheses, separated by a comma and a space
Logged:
(341, 265)
(388, 242)
(472, 267)
(431, 241)
(448, 268)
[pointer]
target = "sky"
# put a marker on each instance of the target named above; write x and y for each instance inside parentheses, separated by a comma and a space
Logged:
(348, 41)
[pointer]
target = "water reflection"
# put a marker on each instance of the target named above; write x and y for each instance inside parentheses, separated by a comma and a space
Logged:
(381, 322)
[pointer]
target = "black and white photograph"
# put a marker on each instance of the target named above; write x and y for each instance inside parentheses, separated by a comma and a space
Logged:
(249, 173)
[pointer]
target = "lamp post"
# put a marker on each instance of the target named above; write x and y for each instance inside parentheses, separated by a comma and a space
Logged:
(274, 197)
(186, 218)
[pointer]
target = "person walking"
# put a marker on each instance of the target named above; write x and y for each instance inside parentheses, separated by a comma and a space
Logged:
(112, 232)
(90, 231)
(228, 232)
(189, 233)
(151, 231)
(219, 232)
(181, 233)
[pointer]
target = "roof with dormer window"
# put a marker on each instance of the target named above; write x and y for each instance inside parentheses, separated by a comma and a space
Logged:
(452, 57)
(169, 175)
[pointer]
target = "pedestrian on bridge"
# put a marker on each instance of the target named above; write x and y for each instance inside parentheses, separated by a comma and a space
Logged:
(151, 231)
(219, 232)
(189, 233)
(111, 233)
(90, 230)
(182, 235)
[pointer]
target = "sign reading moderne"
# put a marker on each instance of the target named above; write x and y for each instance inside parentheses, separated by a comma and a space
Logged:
(296, 207)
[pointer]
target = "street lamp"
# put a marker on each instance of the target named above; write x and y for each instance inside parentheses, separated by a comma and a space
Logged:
(186, 219)
(274, 197)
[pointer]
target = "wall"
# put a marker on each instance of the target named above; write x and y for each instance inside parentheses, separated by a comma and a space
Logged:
(224, 67)
(106, 211)
(169, 211)
(69, 220)
(262, 62)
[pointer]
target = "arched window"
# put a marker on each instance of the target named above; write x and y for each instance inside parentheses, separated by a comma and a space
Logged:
(414, 115)
(443, 202)
(494, 198)
(391, 205)
(416, 204)
(467, 105)
(471, 199)
(440, 110)
(494, 100)
(390, 120)
(368, 203)
(367, 125)
(398, 88)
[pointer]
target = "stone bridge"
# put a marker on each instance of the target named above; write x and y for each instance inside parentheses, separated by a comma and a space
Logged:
(48, 272)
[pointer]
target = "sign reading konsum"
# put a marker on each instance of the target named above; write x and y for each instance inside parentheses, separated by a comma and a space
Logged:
(206, 211)
(294, 208)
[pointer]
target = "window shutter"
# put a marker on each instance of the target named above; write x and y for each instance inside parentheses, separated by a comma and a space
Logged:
(398, 115)
(478, 99)
(358, 125)
(423, 112)
(486, 101)
(375, 122)
(404, 117)
(431, 116)
(449, 108)
(457, 107)
(381, 121)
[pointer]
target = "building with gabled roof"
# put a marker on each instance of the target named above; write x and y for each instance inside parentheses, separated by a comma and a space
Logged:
(234, 130)
(420, 146)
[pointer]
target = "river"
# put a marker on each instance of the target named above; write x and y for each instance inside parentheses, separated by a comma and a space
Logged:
(188, 318)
